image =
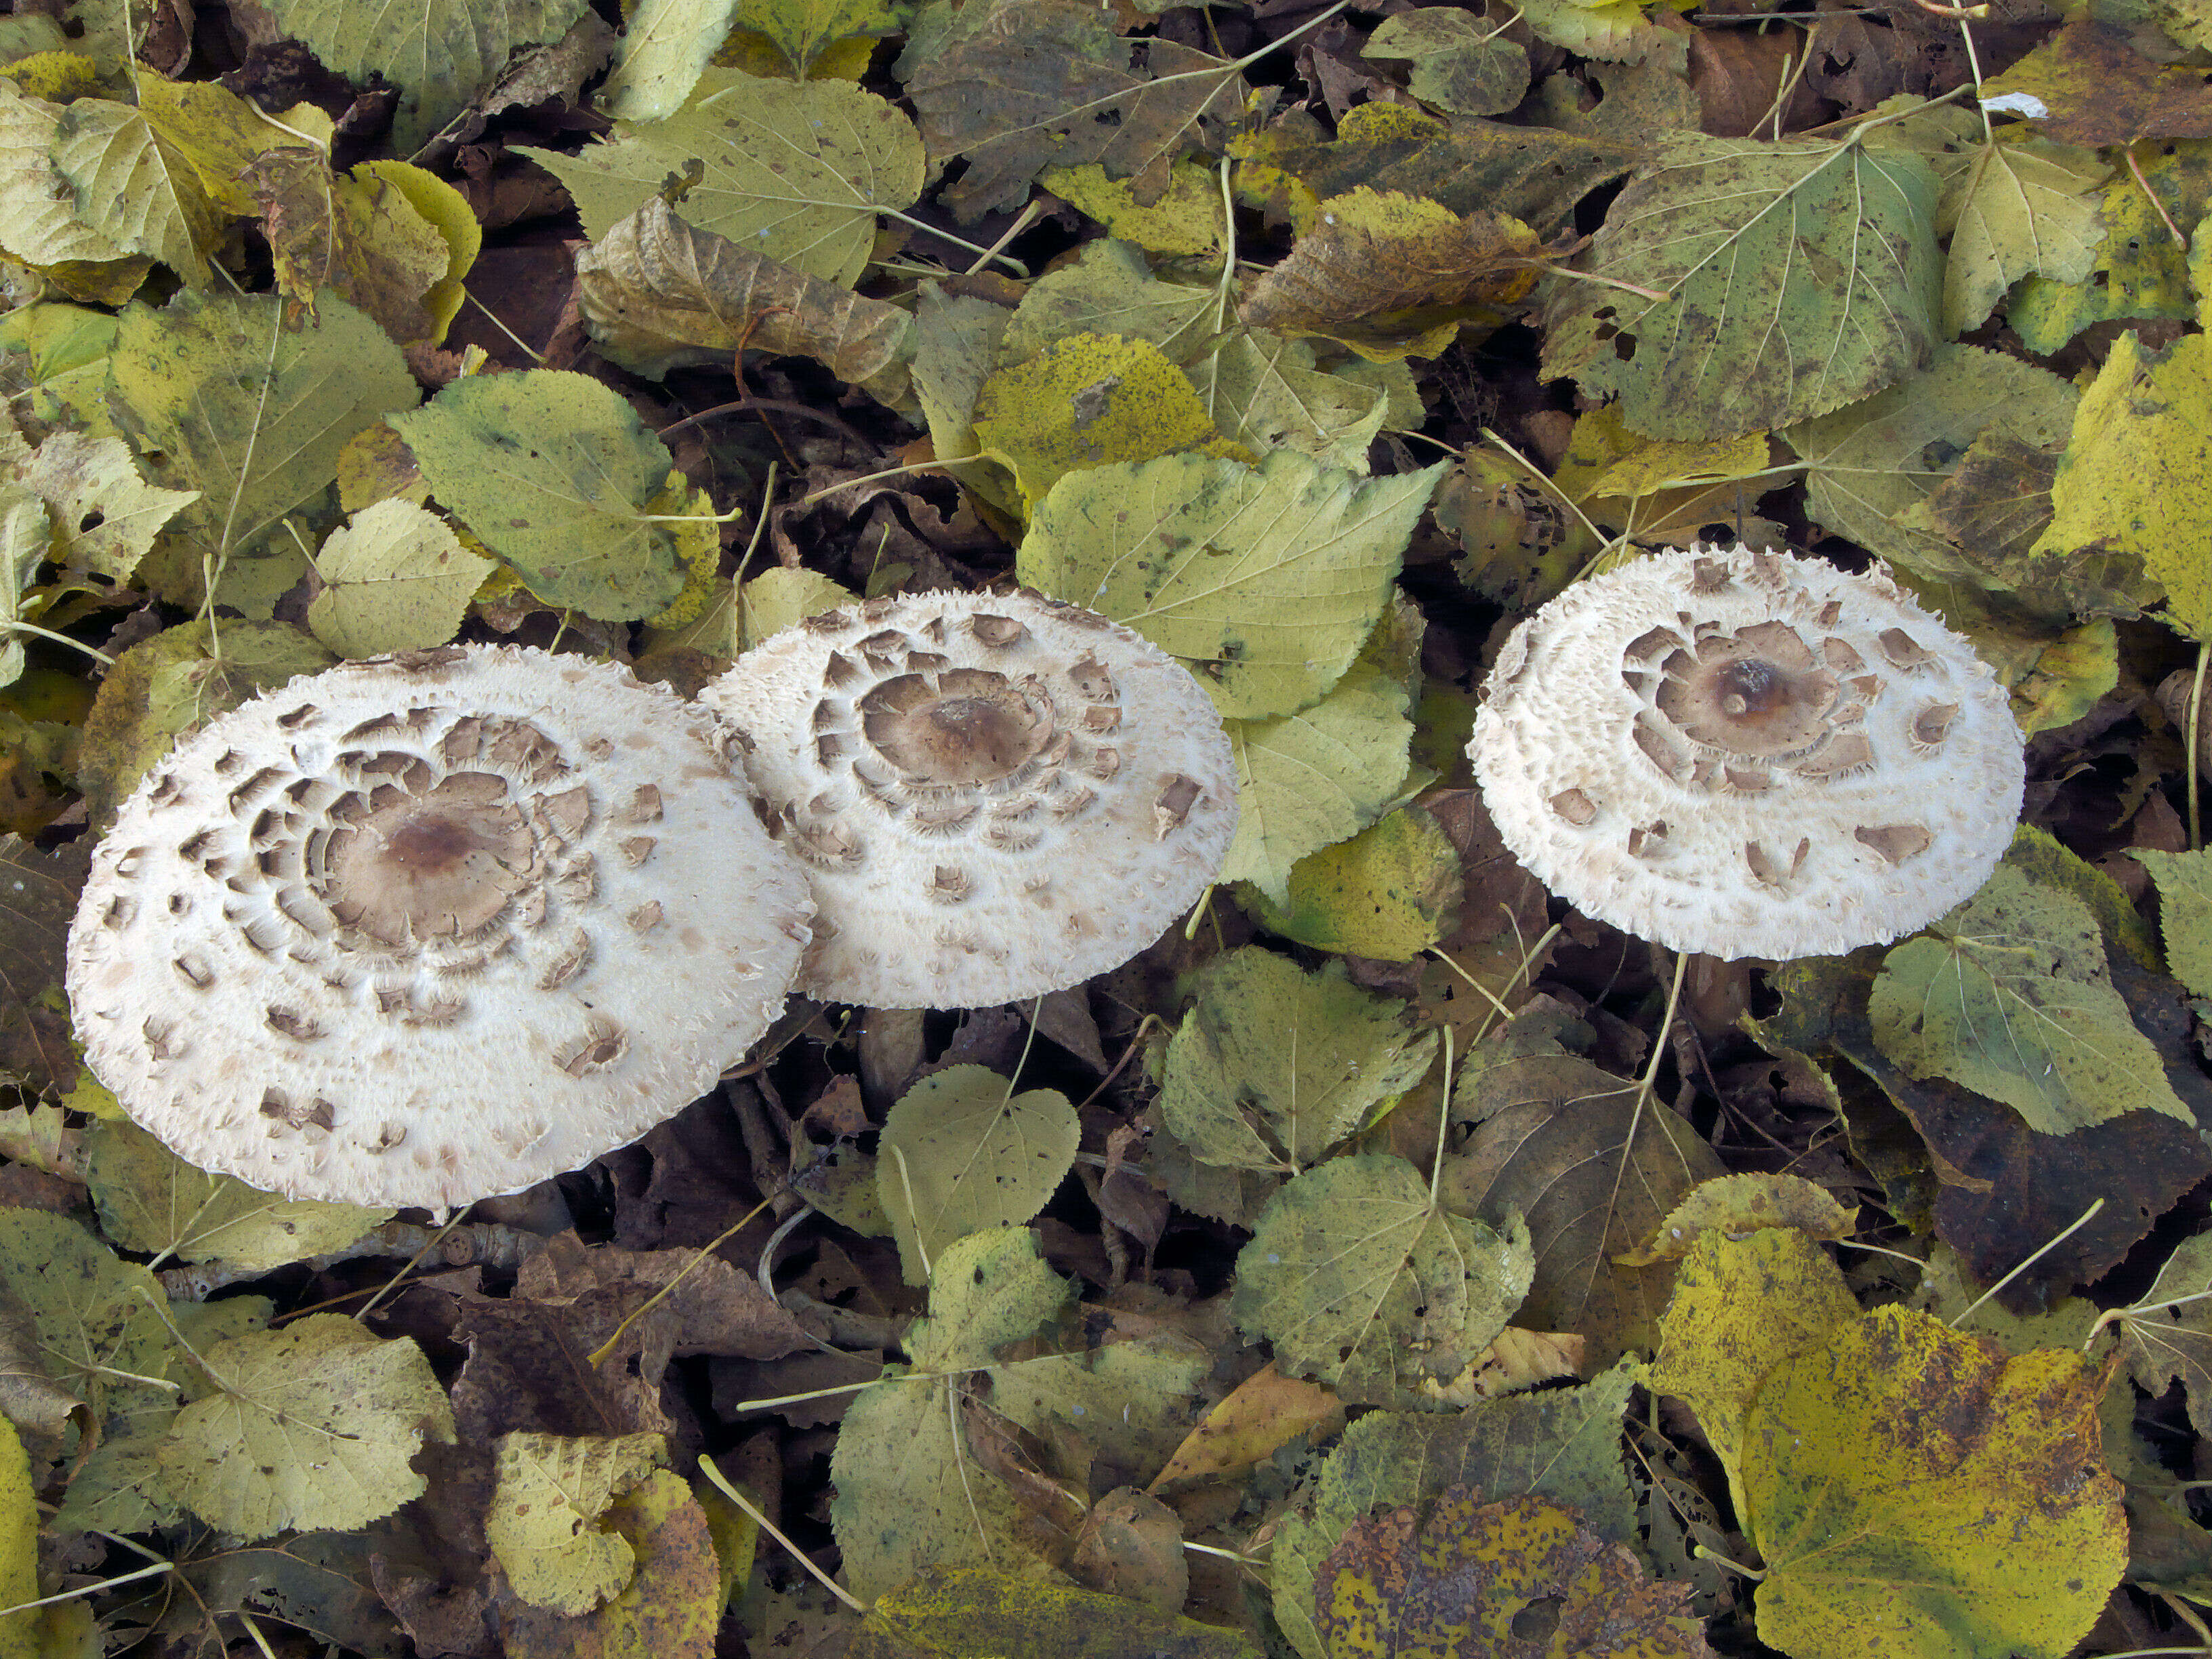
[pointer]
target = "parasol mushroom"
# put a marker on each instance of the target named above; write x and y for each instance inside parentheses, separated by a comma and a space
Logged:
(996, 795)
(1749, 754)
(433, 927)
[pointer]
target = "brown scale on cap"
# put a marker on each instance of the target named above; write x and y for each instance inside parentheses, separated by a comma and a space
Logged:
(1718, 749)
(400, 899)
(937, 760)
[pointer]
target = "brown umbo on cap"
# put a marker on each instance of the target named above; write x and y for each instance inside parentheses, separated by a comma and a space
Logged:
(433, 927)
(1749, 754)
(996, 795)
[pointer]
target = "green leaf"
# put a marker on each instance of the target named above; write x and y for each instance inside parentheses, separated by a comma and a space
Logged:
(1263, 581)
(962, 1153)
(151, 1199)
(248, 401)
(397, 579)
(554, 472)
(907, 1495)
(1801, 277)
(548, 1523)
(793, 171)
(310, 1426)
(1363, 1282)
(1460, 65)
(2184, 912)
(439, 53)
(802, 30)
(1917, 1494)
(2013, 1000)
(2022, 208)
(1274, 1067)
(1310, 779)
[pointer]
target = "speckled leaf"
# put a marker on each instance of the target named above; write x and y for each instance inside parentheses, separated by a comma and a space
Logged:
(1363, 1281)
(554, 472)
(2184, 913)
(1919, 1494)
(665, 45)
(546, 1522)
(975, 1613)
(1264, 581)
(1801, 276)
(398, 579)
(1742, 1306)
(1473, 1577)
(1389, 893)
(136, 188)
(38, 223)
(1563, 1444)
(962, 1153)
(309, 1427)
(20, 1636)
(1274, 1066)
(2012, 998)
(151, 1199)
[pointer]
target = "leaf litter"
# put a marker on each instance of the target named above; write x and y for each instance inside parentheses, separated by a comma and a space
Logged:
(1373, 1262)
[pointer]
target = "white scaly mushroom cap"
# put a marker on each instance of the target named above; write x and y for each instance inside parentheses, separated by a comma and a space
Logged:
(1748, 755)
(432, 928)
(997, 795)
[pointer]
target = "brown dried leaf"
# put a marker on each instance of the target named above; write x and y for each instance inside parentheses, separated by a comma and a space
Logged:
(658, 292)
(38, 896)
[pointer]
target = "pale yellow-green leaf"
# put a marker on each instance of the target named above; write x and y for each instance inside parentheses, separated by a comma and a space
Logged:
(665, 45)
(308, 1428)
(398, 579)
(1272, 1065)
(1363, 1281)
(782, 598)
(39, 221)
(151, 1199)
(1133, 1401)
(249, 403)
(554, 473)
(2137, 475)
(2011, 997)
(136, 188)
(2024, 208)
(212, 130)
(795, 172)
(446, 210)
(22, 550)
(906, 1496)
(2138, 269)
(1264, 392)
(1264, 581)
(962, 1153)
(1307, 780)
(548, 1522)
(105, 515)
